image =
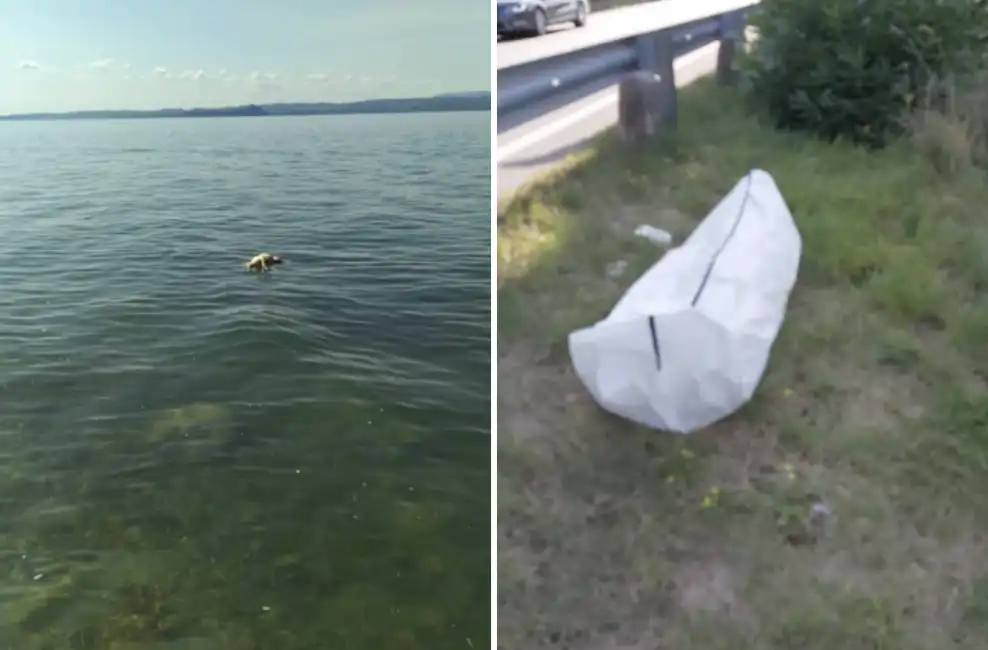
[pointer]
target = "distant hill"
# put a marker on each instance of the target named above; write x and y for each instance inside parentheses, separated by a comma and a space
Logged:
(474, 93)
(467, 101)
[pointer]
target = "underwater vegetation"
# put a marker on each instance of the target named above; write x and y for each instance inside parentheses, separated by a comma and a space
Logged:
(195, 530)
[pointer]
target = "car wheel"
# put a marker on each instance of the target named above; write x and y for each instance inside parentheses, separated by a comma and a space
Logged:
(581, 14)
(540, 22)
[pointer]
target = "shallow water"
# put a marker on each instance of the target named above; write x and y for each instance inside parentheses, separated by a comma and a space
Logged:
(192, 456)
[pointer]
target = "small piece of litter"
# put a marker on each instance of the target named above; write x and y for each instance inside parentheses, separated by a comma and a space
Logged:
(265, 608)
(39, 576)
(653, 234)
(616, 269)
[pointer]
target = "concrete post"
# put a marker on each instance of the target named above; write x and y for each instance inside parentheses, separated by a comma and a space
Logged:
(647, 96)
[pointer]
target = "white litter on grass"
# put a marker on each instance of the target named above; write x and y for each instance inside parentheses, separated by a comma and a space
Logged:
(616, 269)
(654, 235)
(688, 343)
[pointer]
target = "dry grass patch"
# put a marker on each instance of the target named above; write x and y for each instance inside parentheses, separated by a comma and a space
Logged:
(841, 508)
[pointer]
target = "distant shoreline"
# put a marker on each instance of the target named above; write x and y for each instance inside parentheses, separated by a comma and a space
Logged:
(457, 102)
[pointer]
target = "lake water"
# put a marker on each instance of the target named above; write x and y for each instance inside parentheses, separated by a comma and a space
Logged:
(197, 457)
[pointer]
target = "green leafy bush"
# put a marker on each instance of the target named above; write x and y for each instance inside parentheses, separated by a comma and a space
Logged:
(850, 68)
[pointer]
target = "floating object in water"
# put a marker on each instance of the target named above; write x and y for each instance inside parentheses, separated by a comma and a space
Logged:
(262, 261)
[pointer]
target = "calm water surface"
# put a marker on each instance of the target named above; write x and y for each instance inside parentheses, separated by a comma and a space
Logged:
(196, 457)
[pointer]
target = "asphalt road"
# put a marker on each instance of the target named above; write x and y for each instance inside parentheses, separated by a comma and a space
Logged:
(529, 142)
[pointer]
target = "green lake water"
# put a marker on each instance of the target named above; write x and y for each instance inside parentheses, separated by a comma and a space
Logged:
(196, 457)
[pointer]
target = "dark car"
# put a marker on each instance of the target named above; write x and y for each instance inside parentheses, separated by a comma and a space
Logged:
(534, 16)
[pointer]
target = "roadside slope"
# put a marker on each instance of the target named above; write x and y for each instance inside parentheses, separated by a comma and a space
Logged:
(874, 408)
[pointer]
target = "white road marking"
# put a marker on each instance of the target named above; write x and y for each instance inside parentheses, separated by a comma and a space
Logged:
(535, 136)
(509, 149)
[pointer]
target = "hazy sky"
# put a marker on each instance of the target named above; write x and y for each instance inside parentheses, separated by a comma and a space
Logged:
(58, 55)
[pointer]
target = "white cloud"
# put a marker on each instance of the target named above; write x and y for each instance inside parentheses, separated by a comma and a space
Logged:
(263, 81)
(222, 72)
(161, 72)
(263, 77)
(194, 75)
(101, 64)
(317, 76)
(29, 65)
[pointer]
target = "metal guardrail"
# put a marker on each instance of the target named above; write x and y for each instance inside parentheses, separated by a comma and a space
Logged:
(652, 47)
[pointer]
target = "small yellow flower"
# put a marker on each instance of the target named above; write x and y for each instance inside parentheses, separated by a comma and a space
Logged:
(788, 392)
(790, 472)
(711, 499)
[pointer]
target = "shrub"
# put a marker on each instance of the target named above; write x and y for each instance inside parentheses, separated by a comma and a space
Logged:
(952, 133)
(851, 68)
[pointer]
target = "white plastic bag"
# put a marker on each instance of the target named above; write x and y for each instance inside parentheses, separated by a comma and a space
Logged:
(688, 343)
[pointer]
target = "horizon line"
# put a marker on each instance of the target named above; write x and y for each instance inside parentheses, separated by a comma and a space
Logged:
(440, 96)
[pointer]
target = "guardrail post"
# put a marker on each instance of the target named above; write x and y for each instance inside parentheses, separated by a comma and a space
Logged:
(731, 35)
(665, 54)
(645, 51)
(647, 96)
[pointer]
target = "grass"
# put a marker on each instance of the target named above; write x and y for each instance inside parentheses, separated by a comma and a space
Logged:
(873, 412)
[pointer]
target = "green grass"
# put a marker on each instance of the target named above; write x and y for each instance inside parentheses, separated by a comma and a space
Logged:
(875, 404)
